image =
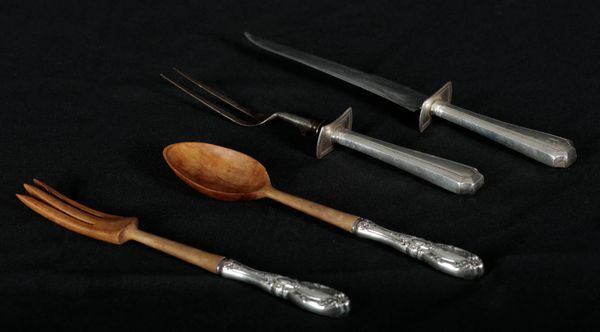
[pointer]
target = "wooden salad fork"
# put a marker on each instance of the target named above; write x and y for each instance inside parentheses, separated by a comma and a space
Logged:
(114, 229)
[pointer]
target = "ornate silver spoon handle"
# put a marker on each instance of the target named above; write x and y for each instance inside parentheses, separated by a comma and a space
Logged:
(449, 259)
(450, 175)
(313, 297)
(546, 148)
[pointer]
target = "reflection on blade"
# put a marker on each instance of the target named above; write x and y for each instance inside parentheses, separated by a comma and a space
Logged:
(394, 92)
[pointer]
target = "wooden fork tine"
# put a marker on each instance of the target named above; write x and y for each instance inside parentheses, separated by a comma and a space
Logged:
(73, 203)
(76, 217)
(54, 215)
(61, 206)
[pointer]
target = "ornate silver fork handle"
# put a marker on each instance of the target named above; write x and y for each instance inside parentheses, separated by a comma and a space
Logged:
(448, 259)
(313, 297)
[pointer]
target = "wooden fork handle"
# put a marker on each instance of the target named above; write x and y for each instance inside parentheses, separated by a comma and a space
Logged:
(203, 259)
(313, 297)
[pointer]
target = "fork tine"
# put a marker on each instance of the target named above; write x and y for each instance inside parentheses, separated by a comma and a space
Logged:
(210, 105)
(216, 94)
(61, 206)
(54, 215)
(73, 203)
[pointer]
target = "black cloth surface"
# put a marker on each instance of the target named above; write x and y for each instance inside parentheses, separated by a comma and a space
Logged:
(84, 109)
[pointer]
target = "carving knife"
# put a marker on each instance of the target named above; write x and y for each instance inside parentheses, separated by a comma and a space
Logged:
(546, 148)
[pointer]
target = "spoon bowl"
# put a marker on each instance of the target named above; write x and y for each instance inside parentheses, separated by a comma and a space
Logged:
(218, 172)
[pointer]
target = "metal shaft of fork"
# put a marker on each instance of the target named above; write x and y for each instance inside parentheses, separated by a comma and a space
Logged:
(304, 124)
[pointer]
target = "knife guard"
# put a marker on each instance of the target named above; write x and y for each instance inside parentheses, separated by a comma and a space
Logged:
(324, 142)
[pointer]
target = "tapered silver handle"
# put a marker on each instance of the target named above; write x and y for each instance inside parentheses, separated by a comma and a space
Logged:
(448, 259)
(546, 148)
(313, 297)
(455, 177)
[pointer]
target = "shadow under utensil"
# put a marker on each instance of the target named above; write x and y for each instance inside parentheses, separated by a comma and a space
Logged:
(150, 162)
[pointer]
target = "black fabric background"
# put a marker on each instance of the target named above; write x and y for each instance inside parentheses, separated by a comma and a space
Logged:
(83, 108)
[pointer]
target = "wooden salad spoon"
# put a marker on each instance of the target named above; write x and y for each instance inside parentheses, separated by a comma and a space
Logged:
(230, 175)
(81, 219)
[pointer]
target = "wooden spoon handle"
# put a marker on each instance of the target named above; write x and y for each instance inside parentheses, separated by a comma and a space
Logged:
(203, 259)
(337, 218)
(448, 259)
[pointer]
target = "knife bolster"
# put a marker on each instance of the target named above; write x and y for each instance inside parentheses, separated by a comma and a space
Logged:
(324, 141)
(443, 94)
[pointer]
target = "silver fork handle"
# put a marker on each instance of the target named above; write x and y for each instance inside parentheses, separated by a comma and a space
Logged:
(313, 297)
(450, 175)
(448, 259)
(546, 148)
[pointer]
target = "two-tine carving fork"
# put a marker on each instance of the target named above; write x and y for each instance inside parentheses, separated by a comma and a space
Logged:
(81, 219)
(455, 177)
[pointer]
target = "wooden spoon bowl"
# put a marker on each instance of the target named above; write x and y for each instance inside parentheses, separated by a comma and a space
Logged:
(218, 172)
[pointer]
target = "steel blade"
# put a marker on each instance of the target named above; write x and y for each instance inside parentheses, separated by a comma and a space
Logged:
(392, 91)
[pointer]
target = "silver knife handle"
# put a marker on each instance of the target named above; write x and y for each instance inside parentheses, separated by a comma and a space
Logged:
(313, 297)
(448, 259)
(546, 148)
(455, 177)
